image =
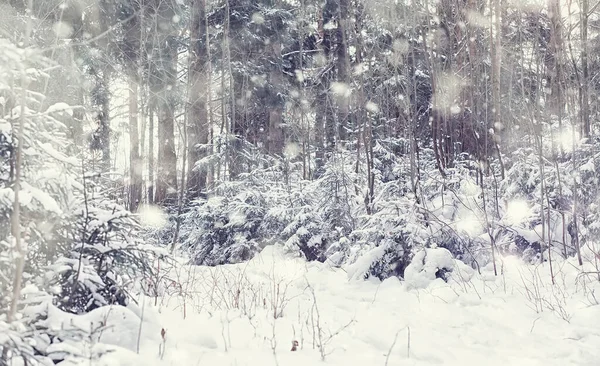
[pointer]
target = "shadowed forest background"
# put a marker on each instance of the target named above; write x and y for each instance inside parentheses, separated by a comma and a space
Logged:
(352, 132)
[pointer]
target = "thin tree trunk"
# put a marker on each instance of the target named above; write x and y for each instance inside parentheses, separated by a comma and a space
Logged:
(549, 239)
(19, 249)
(434, 114)
(325, 105)
(150, 152)
(575, 230)
(556, 104)
(585, 77)
(135, 163)
(104, 119)
(276, 137)
(234, 131)
(211, 177)
(496, 68)
(166, 182)
(343, 69)
(223, 128)
(414, 172)
(198, 128)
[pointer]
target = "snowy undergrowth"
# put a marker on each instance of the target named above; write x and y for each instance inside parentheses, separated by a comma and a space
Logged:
(250, 314)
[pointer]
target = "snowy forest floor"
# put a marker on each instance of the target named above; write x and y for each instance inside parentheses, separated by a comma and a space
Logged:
(225, 316)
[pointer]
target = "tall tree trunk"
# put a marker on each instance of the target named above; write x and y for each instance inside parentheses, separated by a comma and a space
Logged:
(434, 116)
(325, 105)
(585, 92)
(135, 162)
(210, 180)
(15, 216)
(236, 125)
(100, 95)
(198, 127)
(166, 182)
(102, 100)
(324, 130)
(496, 87)
(151, 150)
(554, 58)
(343, 69)
(319, 132)
(275, 142)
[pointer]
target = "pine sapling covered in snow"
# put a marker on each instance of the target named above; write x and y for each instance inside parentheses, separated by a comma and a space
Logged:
(106, 256)
(223, 229)
(80, 251)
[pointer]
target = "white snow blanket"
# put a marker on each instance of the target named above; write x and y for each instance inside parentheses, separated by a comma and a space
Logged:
(249, 314)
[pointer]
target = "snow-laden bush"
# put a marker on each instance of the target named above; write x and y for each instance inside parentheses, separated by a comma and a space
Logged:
(385, 240)
(104, 258)
(435, 263)
(21, 339)
(388, 259)
(224, 229)
(444, 213)
(114, 325)
(322, 214)
(537, 205)
(588, 171)
(466, 208)
(306, 235)
(267, 206)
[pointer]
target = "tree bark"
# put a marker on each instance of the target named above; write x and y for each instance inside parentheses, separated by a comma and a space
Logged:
(198, 126)
(585, 77)
(151, 151)
(554, 60)
(275, 139)
(496, 87)
(166, 182)
(325, 105)
(102, 85)
(343, 69)
(135, 162)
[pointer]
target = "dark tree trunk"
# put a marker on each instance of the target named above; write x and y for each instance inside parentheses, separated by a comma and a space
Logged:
(276, 137)
(343, 69)
(324, 99)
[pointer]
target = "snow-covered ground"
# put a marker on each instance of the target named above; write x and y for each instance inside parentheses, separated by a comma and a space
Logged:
(249, 314)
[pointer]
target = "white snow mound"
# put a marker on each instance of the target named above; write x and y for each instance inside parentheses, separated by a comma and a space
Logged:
(422, 270)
